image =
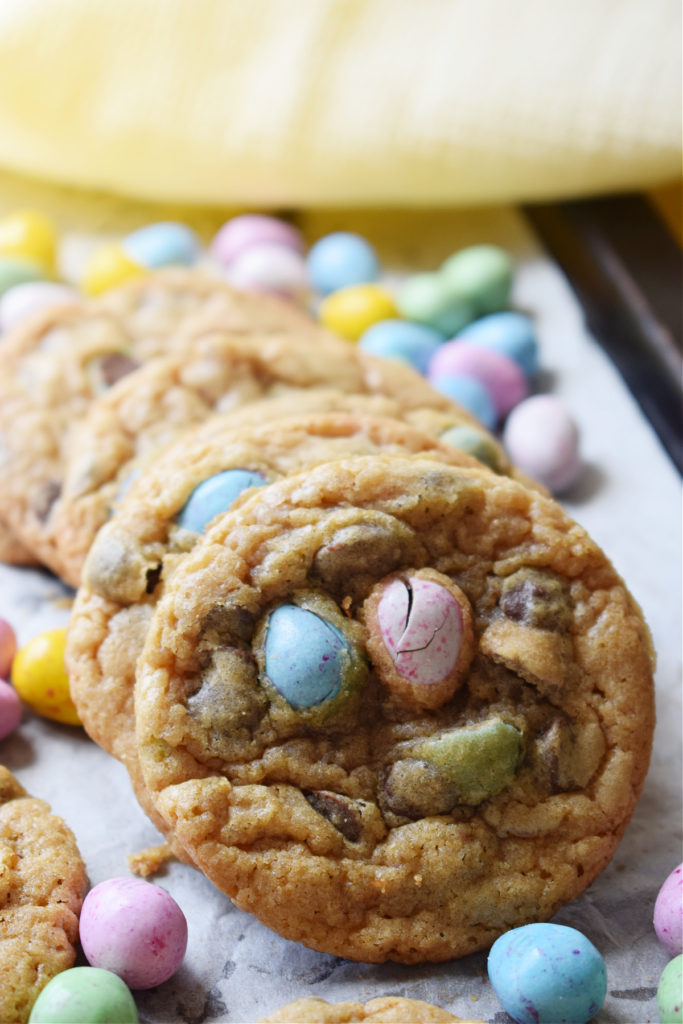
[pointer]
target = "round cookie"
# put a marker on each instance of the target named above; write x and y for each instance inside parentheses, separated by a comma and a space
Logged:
(58, 360)
(42, 885)
(384, 1010)
(219, 372)
(162, 517)
(376, 818)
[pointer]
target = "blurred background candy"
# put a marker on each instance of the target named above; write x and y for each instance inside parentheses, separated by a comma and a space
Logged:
(28, 235)
(30, 297)
(249, 229)
(40, 678)
(269, 267)
(163, 244)
(339, 260)
(509, 333)
(541, 437)
(351, 311)
(401, 339)
(501, 376)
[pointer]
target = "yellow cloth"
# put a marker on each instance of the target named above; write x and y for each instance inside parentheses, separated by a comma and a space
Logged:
(310, 102)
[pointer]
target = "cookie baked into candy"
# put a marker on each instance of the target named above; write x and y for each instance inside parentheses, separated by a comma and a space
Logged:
(395, 708)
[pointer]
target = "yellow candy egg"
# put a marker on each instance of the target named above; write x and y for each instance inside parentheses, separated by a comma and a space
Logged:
(350, 311)
(40, 678)
(108, 267)
(29, 235)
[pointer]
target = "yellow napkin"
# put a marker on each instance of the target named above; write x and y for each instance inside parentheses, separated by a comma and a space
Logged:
(339, 102)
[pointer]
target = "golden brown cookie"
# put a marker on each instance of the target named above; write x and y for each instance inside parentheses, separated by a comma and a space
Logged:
(395, 708)
(42, 885)
(385, 1010)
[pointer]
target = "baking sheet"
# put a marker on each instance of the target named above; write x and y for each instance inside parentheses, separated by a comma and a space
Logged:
(629, 500)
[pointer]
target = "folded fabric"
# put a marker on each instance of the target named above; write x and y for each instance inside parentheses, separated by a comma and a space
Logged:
(272, 103)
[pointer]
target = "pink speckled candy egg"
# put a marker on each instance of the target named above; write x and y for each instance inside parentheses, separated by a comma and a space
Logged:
(10, 709)
(542, 439)
(8, 648)
(269, 267)
(135, 929)
(668, 916)
(503, 378)
(30, 297)
(249, 229)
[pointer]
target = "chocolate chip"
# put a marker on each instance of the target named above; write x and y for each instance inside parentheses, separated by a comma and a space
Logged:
(355, 554)
(114, 366)
(340, 811)
(536, 598)
(228, 624)
(45, 498)
(228, 698)
(415, 789)
(568, 755)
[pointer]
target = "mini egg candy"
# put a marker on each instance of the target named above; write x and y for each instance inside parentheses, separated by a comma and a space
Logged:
(40, 678)
(478, 760)
(419, 636)
(668, 914)
(501, 376)
(134, 929)
(108, 267)
(248, 229)
(482, 274)
(15, 271)
(304, 656)
(10, 709)
(350, 311)
(468, 392)
(426, 299)
(30, 297)
(162, 244)
(542, 439)
(31, 236)
(511, 333)
(215, 495)
(670, 992)
(339, 260)
(85, 995)
(8, 648)
(474, 442)
(269, 267)
(400, 339)
(547, 974)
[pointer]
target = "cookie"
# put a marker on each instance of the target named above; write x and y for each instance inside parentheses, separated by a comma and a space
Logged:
(163, 516)
(394, 708)
(42, 885)
(219, 372)
(384, 1010)
(55, 362)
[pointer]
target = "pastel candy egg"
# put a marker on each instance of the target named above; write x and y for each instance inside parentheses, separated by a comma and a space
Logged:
(400, 339)
(305, 656)
(670, 992)
(240, 233)
(341, 259)
(502, 377)
(30, 297)
(161, 244)
(16, 271)
(542, 439)
(8, 647)
(668, 914)
(482, 274)
(419, 636)
(469, 392)
(478, 760)
(269, 267)
(474, 442)
(10, 709)
(135, 929)
(547, 974)
(108, 267)
(426, 299)
(29, 235)
(214, 496)
(85, 995)
(40, 678)
(510, 333)
(350, 311)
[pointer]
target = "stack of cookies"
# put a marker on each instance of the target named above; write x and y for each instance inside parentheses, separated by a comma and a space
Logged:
(385, 694)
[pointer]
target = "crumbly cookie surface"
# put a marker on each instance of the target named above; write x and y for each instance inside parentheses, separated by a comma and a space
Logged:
(382, 820)
(57, 361)
(134, 554)
(220, 371)
(42, 885)
(384, 1010)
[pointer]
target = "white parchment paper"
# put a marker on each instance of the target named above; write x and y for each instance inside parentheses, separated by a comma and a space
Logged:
(629, 500)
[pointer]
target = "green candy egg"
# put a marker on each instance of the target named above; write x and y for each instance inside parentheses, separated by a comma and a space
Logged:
(13, 272)
(473, 442)
(85, 995)
(482, 275)
(427, 299)
(478, 760)
(670, 992)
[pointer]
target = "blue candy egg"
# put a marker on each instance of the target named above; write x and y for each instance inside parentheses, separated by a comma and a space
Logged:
(399, 339)
(512, 334)
(547, 974)
(158, 245)
(215, 495)
(339, 260)
(468, 392)
(305, 656)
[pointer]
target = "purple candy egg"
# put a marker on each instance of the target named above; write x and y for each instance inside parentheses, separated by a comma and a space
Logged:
(240, 233)
(542, 439)
(668, 916)
(134, 929)
(10, 709)
(503, 377)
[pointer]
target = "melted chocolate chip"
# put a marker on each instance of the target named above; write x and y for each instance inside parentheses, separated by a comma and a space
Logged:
(228, 698)
(356, 553)
(416, 789)
(228, 625)
(536, 598)
(339, 811)
(116, 365)
(45, 499)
